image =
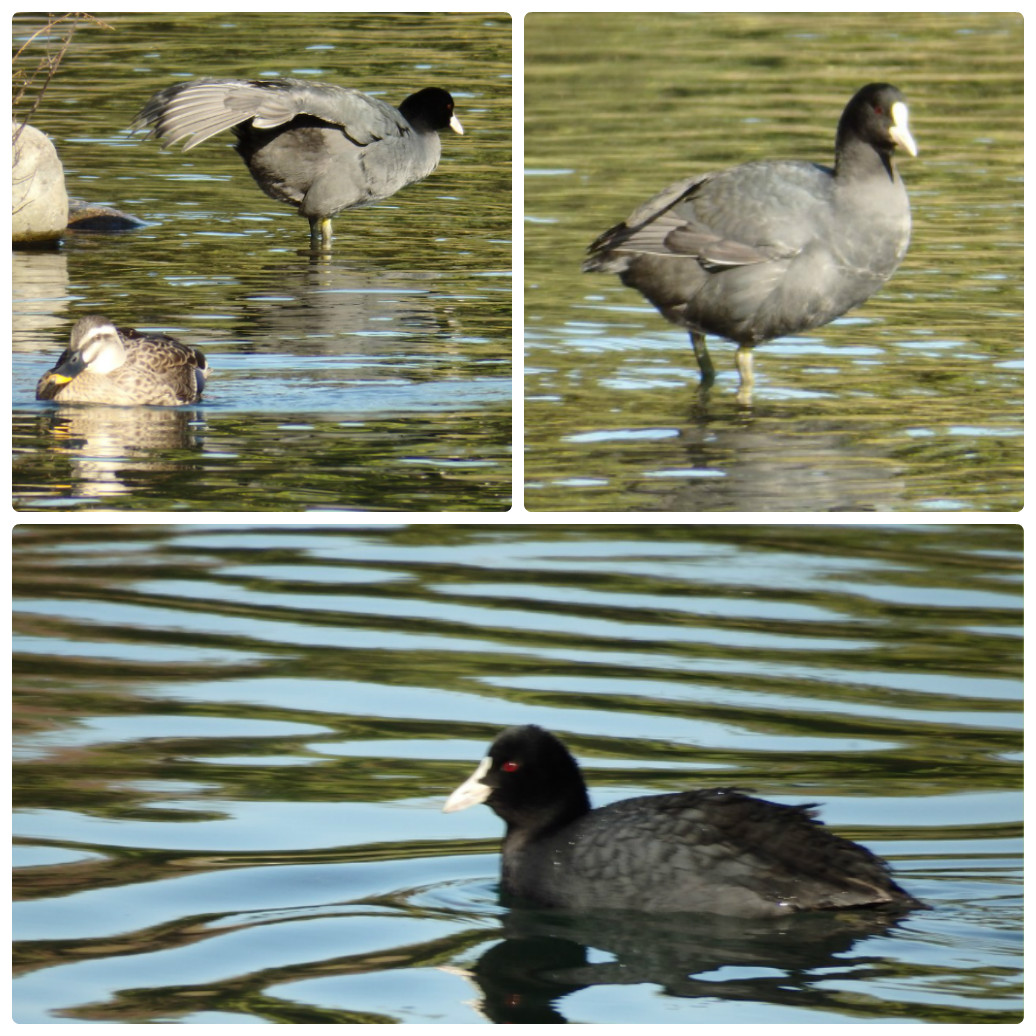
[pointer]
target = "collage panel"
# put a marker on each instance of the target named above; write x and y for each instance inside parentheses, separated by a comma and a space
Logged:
(285, 279)
(385, 653)
(774, 262)
(517, 772)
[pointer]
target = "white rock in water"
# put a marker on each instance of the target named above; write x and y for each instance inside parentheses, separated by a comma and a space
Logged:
(39, 204)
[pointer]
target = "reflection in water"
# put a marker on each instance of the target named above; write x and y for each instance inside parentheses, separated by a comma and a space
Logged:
(406, 460)
(315, 307)
(392, 399)
(673, 447)
(768, 460)
(114, 450)
(545, 956)
(38, 279)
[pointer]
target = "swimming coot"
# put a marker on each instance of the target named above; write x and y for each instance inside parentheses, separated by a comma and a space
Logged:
(123, 367)
(321, 148)
(772, 248)
(714, 851)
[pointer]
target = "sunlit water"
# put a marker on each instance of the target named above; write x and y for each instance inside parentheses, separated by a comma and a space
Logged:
(377, 377)
(232, 746)
(912, 402)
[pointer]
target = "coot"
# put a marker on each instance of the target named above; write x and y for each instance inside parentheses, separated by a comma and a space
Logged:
(772, 248)
(322, 148)
(716, 850)
(123, 367)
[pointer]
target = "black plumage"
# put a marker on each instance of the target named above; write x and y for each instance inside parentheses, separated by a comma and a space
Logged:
(716, 850)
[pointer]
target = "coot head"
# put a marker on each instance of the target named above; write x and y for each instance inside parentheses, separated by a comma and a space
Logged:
(529, 779)
(877, 118)
(431, 109)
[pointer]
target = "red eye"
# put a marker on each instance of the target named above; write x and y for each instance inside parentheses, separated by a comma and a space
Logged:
(510, 767)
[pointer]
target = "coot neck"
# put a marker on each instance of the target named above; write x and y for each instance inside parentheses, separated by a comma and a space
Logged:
(857, 160)
(541, 819)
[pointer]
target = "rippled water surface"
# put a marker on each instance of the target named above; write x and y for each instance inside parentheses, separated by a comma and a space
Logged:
(232, 746)
(376, 378)
(912, 402)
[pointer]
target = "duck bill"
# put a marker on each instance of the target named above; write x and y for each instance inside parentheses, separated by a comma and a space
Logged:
(456, 126)
(471, 792)
(50, 385)
(53, 381)
(900, 129)
(57, 378)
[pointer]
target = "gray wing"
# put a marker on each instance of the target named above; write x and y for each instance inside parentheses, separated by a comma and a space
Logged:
(204, 107)
(739, 217)
(666, 225)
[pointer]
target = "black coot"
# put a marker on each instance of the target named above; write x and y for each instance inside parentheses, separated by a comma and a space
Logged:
(321, 148)
(772, 248)
(714, 851)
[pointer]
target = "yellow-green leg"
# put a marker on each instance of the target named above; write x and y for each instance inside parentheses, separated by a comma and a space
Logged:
(743, 359)
(701, 354)
(320, 232)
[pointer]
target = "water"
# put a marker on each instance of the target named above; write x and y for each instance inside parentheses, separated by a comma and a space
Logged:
(376, 378)
(912, 402)
(233, 743)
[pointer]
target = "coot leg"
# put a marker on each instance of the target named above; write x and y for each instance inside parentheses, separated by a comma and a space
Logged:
(743, 359)
(701, 354)
(320, 232)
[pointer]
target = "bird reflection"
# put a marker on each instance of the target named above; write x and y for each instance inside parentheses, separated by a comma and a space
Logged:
(117, 450)
(546, 956)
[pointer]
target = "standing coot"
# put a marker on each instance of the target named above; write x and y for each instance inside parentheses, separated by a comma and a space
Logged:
(714, 851)
(772, 248)
(123, 367)
(321, 148)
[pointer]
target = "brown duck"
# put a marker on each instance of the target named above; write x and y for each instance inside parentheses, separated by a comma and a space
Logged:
(123, 367)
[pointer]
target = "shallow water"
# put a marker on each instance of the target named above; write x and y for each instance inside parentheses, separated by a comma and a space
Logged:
(377, 377)
(912, 402)
(232, 747)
